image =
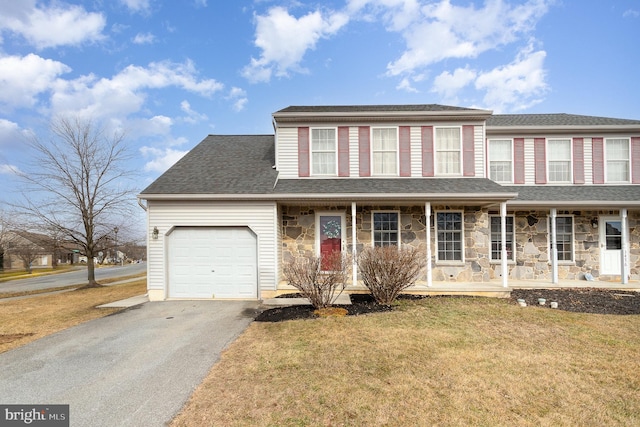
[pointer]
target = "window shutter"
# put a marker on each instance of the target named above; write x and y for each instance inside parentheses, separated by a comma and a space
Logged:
(598, 160)
(541, 160)
(578, 160)
(635, 160)
(468, 153)
(405, 150)
(303, 151)
(343, 151)
(427, 151)
(518, 160)
(364, 151)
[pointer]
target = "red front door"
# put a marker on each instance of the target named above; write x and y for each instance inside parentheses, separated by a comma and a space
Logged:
(330, 238)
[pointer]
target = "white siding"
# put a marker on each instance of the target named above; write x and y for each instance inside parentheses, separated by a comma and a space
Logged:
(588, 161)
(416, 151)
(478, 137)
(354, 159)
(529, 162)
(287, 153)
(259, 216)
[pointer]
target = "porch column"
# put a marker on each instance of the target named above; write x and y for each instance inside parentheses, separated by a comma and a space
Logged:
(354, 251)
(503, 239)
(554, 248)
(427, 212)
(624, 259)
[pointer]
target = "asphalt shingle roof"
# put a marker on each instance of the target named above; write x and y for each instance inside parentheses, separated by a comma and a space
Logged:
(371, 108)
(577, 193)
(222, 164)
(524, 120)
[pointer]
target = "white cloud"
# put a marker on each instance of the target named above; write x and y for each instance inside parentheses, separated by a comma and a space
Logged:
(239, 98)
(141, 6)
(6, 169)
(144, 38)
(162, 158)
(24, 78)
(631, 13)
(441, 30)
(49, 26)
(192, 116)
(10, 133)
(515, 86)
(449, 84)
(125, 93)
(284, 40)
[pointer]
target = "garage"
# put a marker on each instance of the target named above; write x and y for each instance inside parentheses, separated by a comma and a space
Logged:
(212, 262)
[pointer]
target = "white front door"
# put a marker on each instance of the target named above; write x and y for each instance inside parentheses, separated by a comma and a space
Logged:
(610, 244)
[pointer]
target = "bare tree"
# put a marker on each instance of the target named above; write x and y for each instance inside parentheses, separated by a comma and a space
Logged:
(78, 185)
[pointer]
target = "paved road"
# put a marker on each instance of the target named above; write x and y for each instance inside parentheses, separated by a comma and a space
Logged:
(71, 278)
(135, 368)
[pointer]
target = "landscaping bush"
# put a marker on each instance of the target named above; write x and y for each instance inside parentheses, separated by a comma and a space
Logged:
(387, 271)
(321, 286)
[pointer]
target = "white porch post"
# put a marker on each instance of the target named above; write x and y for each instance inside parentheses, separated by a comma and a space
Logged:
(624, 259)
(427, 212)
(503, 239)
(354, 251)
(554, 248)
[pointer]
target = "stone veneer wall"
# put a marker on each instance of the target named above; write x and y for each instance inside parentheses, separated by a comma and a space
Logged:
(532, 259)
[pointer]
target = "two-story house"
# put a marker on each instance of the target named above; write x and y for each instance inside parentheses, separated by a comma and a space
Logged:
(487, 198)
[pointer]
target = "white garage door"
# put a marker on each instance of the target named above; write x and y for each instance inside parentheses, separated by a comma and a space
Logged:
(212, 262)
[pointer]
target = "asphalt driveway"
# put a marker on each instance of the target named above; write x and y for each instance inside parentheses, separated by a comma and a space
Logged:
(133, 368)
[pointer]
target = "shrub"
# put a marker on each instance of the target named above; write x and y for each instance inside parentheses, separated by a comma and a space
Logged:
(387, 271)
(306, 274)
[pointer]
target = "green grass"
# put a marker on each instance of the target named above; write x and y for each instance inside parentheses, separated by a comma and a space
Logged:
(439, 361)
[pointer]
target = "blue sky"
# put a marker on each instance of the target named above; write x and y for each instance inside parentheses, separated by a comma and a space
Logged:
(169, 73)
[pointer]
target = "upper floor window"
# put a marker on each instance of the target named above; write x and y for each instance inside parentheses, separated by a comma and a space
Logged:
(384, 151)
(386, 229)
(323, 151)
(617, 157)
(448, 151)
(559, 158)
(501, 160)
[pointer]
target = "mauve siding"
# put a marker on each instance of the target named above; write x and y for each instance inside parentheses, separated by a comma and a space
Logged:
(259, 216)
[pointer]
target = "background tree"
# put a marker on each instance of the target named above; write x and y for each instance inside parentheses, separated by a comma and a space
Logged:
(78, 185)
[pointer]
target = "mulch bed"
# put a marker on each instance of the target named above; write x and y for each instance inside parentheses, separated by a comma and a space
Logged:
(583, 300)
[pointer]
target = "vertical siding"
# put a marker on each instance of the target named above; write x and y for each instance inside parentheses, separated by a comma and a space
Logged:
(259, 216)
(287, 152)
(468, 151)
(416, 152)
(404, 150)
(578, 160)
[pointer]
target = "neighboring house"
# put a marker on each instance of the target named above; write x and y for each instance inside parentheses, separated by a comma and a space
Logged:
(488, 198)
(26, 250)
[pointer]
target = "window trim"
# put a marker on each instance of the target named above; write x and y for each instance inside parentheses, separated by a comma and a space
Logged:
(511, 160)
(436, 151)
(573, 239)
(511, 260)
(311, 151)
(373, 229)
(548, 160)
(373, 151)
(606, 160)
(461, 261)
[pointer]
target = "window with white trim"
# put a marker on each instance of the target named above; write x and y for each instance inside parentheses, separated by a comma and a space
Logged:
(386, 228)
(564, 237)
(496, 238)
(323, 151)
(448, 149)
(449, 235)
(384, 151)
(617, 156)
(501, 160)
(559, 160)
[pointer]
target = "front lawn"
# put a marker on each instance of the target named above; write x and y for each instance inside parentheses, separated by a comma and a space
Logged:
(436, 361)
